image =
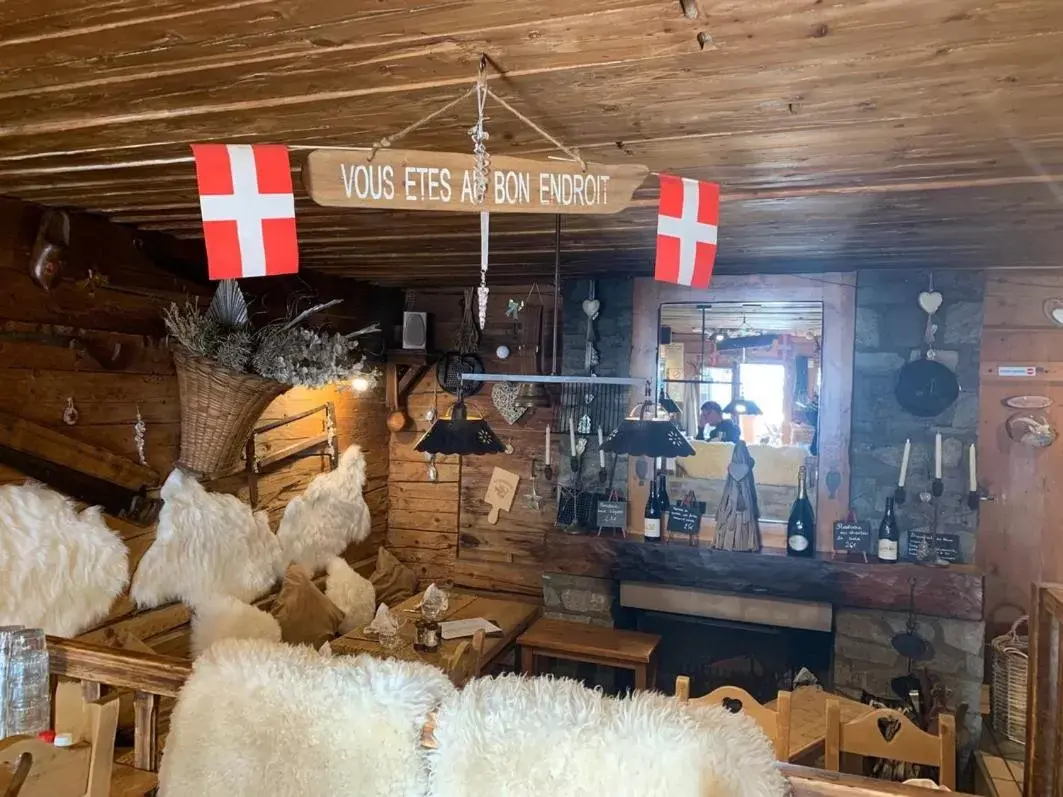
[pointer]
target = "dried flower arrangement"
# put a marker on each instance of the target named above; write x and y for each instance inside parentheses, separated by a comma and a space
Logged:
(286, 350)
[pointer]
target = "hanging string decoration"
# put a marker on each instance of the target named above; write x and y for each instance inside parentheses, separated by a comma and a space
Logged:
(480, 180)
(139, 430)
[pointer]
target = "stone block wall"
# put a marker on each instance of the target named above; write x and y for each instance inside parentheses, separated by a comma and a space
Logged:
(581, 599)
(889, 332)
(864, 658)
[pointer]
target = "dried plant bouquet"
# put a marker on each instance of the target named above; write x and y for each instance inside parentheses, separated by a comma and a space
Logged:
(287, 351)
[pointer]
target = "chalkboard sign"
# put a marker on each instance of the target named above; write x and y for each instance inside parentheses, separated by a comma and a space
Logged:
(611, 515)
(855, 537)
(683, 519)
(948, 545)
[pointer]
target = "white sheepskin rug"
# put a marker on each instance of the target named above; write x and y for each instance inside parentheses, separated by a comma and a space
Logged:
(223, 617)
(330, 515)
(206, 544)
(60, 570)
(529, 737)
(260, 719)
(352, 593)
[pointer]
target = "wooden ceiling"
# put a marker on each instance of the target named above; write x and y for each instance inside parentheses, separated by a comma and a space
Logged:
(846, 134)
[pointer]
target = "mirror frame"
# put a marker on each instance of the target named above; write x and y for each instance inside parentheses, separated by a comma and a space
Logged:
(837, 293)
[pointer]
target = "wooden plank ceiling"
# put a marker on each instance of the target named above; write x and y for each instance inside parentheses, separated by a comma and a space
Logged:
(846, 134)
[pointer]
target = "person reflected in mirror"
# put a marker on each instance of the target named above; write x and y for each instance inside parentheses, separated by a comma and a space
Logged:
(720, 429)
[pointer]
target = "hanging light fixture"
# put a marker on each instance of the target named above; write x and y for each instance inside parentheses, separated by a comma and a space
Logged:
(648, 432)
(534, 394)
(460, 433)
(741, 406)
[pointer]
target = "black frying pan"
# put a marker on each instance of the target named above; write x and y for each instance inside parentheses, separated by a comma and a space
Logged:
(926, 388)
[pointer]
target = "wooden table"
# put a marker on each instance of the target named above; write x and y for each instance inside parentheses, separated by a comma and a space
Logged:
(808, 720)
(511, 616)
(563, 639)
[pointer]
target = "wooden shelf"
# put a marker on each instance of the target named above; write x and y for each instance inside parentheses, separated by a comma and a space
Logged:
(956, 591)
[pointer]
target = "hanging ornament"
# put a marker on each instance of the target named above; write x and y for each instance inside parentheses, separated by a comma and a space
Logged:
(139, 429)
(930, 300)
(70, 414)
(591, 306)
(480, 180)
(330, 435)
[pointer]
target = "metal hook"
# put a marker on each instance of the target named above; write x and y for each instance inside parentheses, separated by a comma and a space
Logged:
(483, 64)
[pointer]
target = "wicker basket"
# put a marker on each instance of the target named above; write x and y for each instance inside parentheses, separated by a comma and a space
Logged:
(219, 407)
(1010, 662)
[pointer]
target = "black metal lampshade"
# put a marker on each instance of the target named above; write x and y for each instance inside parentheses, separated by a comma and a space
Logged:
(656, 436)
(460, 434)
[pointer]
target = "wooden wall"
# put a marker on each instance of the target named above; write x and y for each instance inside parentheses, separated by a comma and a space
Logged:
(440, 529)
(1020, 536)
(124, 364)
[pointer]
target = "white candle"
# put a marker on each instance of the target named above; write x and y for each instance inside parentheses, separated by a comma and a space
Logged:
(904, 462)
(601, 453)
(973, 473)
(571, 437)
(937, 455)
(548, 444)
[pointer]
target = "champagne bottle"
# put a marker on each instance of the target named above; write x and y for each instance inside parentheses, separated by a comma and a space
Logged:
(801, 526)
(651, 523)
(888, 535)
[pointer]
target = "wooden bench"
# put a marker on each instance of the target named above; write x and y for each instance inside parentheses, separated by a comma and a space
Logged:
(561, 639)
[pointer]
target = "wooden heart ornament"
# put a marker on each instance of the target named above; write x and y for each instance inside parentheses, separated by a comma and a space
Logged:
(504, 397)
(591, 308)
(1054, 311)
(930, 301)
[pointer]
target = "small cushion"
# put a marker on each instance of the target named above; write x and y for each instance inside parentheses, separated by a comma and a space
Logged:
(394, 582)
(225, 617)
(352, 593)
(305, 615)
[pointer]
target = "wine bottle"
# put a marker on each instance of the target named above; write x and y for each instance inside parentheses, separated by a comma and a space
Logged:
(888, 535)
(801, 526)
(651, 523)
(662, 490)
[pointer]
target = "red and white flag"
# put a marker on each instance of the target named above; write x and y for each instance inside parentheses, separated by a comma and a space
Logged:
(686, 231)
(245, 196)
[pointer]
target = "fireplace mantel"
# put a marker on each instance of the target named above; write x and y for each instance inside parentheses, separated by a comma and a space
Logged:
(955, 591)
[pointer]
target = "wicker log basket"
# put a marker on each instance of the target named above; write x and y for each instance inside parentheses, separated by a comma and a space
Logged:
(1010, 661)
(219, 407)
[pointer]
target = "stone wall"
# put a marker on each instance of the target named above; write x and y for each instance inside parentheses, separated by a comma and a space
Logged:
(581, 599)
(864, 658)
(889, 332)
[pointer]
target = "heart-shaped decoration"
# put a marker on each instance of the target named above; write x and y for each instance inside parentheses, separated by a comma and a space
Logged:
(738, 471)
(1054, 311)
(930, 301)
(504, 397)
(591, 307)
(581, 446)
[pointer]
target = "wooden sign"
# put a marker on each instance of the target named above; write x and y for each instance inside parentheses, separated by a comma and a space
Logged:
(946, 546)
(500, 492)
(684, 519)
(423, 180)
(854, 537)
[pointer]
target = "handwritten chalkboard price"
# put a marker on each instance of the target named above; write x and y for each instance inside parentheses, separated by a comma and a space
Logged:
(853, 537)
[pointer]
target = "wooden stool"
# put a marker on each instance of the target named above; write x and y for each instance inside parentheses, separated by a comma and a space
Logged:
(628, 650)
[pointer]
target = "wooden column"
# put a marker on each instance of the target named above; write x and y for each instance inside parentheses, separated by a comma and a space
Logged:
(145, 735)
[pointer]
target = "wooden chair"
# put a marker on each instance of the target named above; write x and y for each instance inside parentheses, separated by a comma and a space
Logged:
(18, 775)
(864, 737)
(774, 722)
(464, 664)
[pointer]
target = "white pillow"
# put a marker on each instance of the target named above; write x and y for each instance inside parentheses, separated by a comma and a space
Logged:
(223, 617)
(353, 594)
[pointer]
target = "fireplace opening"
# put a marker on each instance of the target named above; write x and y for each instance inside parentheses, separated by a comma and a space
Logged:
(762, 659)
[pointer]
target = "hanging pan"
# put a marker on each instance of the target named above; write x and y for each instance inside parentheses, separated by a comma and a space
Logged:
(926, 388)
(450, 368)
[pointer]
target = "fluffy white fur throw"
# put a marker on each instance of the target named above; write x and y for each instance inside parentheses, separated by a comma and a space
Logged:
(223, 617)
(206, 544)
(61, 570)
(352, 593)
(540, 736)
(262, 719)
(329, 516)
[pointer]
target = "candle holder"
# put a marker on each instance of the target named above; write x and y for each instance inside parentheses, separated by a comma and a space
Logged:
(937, 488)
(603, 475)
(973, 498)
(899, 495)
(928, 553)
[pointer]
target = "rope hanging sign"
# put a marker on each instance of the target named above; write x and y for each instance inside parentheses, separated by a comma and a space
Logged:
(425, 180)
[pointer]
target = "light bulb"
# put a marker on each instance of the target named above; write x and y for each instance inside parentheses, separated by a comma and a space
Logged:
(360, 384)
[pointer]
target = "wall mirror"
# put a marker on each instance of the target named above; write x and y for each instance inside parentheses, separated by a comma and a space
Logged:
(749, 371)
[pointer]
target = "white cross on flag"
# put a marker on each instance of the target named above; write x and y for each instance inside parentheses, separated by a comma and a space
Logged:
(686, 231)
(245, 196)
